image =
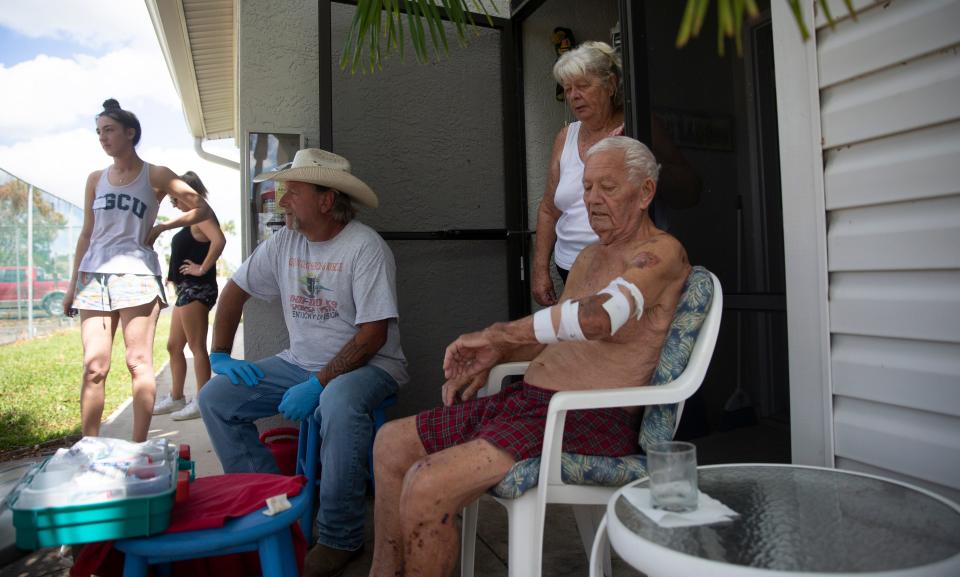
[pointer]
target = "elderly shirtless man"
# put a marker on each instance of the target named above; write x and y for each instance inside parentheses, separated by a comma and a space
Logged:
(606, 332)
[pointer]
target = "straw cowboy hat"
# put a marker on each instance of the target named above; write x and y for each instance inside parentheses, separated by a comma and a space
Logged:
(326, 169)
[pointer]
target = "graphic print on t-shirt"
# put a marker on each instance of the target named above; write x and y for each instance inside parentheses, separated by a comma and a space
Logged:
(311, 302)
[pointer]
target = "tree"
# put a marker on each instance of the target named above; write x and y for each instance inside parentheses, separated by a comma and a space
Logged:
(47, 224)
(224, 269)
(368, 29)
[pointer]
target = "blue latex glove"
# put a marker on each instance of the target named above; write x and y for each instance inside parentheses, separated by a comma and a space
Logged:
(235, 369)
(301, 400)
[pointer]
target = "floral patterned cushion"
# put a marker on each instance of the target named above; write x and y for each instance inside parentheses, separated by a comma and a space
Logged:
(658, 420)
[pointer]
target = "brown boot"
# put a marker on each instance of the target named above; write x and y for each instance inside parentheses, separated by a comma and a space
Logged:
(323, 561)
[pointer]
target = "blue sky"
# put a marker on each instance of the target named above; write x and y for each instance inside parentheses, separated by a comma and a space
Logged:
(16, 47)
(59, 60)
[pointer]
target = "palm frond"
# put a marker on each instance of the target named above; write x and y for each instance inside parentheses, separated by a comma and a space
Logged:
(686, 24)
(731, 14)
(798, 15)
(369, 33)
(825, 5)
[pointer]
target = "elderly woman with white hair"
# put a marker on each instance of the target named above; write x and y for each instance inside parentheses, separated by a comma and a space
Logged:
(591, 79)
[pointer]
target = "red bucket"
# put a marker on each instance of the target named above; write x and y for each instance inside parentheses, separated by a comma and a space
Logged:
(282, 442)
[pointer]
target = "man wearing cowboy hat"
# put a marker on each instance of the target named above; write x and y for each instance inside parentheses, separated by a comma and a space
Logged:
(335, 278)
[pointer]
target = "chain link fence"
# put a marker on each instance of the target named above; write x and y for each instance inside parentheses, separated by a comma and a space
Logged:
(38, 237)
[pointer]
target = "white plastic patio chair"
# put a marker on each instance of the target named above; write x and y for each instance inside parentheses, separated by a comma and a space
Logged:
(525, 513)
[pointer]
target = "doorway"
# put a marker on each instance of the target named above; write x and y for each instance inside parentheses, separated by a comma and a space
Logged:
(721, 114)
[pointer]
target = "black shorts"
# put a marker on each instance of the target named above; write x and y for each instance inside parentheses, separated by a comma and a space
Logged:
(190, 291)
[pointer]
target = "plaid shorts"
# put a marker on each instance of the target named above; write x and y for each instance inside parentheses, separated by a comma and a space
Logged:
(110, 292)
(514, 420)
(189, 291)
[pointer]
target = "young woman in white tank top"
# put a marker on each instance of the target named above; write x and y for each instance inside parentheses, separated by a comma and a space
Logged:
(116, 272)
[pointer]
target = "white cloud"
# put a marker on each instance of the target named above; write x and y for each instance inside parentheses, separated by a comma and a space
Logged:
(47, 130)
(59, 93)
(92, 23)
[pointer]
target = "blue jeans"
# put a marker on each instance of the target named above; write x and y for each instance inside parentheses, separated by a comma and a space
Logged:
(346, 428)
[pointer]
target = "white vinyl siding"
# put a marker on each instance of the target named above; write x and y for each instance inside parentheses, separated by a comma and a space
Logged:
(890, 125)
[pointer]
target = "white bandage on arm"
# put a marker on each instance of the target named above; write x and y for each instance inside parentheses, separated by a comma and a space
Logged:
(570, 322)
(618, 306)
(618, 309)
(543, 327)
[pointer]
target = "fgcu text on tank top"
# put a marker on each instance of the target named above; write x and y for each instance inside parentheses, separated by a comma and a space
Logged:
(573, 227)
(122, 217)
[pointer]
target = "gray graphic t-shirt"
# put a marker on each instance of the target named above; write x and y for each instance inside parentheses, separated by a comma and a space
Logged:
(326, 289)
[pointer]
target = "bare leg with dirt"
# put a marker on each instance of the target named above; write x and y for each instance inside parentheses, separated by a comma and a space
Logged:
(419, 497)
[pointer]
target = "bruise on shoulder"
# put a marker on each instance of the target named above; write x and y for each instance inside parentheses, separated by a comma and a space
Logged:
(644, 259)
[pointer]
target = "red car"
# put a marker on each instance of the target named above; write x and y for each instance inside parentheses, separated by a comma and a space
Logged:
(48, 291)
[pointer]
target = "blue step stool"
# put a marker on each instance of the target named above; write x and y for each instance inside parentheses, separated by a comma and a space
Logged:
(270, 536)
(308, 459)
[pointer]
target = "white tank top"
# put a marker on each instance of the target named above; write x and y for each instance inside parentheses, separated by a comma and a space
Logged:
(573, 227)
(122, 217)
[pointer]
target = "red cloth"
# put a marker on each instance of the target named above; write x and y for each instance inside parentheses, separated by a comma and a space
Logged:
(212, 501)
(514, 420)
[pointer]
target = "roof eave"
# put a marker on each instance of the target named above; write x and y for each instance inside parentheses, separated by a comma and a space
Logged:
(173, 30)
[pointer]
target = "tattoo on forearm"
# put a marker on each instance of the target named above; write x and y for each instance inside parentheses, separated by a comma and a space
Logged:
(352, 356)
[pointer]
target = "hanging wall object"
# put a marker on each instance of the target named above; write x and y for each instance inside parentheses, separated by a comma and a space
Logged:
(563, 41)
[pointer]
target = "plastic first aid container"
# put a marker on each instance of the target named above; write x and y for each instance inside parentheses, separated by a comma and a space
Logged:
(100, 489)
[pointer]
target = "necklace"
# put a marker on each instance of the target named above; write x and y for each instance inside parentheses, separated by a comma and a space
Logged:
(603, 131)
(121, 175)
(588, 138)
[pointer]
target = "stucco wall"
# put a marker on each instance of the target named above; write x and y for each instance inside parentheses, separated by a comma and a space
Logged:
(278, 86)
(429, 140)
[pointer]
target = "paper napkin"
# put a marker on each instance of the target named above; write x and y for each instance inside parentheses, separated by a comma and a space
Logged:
(708, 510)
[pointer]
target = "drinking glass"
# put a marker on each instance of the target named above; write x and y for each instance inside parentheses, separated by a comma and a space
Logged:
(672, 466)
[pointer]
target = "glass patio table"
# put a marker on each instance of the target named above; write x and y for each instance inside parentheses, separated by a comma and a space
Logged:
(794, 521)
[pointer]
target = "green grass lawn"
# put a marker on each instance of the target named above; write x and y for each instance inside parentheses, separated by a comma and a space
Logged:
(40, 385)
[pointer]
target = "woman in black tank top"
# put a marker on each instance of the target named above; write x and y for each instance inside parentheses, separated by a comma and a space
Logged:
(193, 270)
